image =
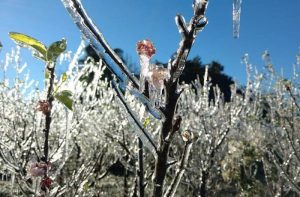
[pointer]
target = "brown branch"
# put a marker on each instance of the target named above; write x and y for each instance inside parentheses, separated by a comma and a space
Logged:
(172, 96)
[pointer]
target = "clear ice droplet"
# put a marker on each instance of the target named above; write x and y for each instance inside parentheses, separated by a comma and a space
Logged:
(236, 14)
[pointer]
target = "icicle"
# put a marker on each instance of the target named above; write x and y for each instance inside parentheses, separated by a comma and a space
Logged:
(76, 56)
(157, 77)
(156, 113)
(140, 131)
(236, 14)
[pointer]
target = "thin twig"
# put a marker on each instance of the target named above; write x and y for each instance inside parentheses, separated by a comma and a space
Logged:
(180, 171)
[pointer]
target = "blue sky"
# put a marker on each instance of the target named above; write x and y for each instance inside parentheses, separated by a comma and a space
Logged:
(265, 25)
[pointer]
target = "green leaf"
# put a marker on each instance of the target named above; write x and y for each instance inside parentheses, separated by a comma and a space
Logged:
(65, 97)
(47, 74)
(64, 77)
(146, 122)
(39, 49)
(55, 49)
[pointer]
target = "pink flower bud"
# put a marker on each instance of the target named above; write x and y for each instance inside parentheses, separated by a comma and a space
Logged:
(43, 106)
(46, 182)
(145, 47)
(37, 169)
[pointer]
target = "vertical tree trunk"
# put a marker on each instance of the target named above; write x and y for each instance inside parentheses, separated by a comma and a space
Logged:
(203, 192)
(165, 139)
(141, 169)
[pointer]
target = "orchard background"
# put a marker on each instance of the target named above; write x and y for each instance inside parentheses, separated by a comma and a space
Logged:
(96, 123)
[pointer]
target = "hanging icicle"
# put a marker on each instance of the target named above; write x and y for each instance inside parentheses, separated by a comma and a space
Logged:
(236, 14)
(156, 78)
(139, 130)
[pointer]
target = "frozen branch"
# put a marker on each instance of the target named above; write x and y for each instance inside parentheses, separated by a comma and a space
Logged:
(140, 131)
(196, 25)
(181, 169)
(101, 46)
(97, 40)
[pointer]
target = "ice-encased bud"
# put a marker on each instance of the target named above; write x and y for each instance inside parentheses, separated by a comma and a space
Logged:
(43, 106)
(187, 135)
(145, 47)
(35, 169)
(145, 50)
(199, 6)
(157, 76)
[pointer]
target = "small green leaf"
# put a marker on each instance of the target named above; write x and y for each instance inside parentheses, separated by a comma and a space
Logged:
(55, 49)
(65, 97)
(47, 74)
(146, 122)
(39, 49)
(64, 77)
(1, 46)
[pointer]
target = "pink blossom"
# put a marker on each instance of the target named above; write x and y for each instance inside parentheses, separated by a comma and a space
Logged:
(37, 169)
(145, 47)
(46, 182)
(43, 106)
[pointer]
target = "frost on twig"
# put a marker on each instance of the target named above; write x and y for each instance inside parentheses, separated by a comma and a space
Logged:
(141, 132)
(188, 138)
(101, 46)
(97, 41)
(189, 31)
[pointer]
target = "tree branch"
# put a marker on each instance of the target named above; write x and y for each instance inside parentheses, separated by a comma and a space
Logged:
(180, 171)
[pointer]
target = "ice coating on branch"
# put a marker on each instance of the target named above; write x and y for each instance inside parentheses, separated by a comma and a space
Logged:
(181, 24)
(139, 130)
(236, 14)
(268, 63)
(199, 6)
(148, 104)
(93, 34)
